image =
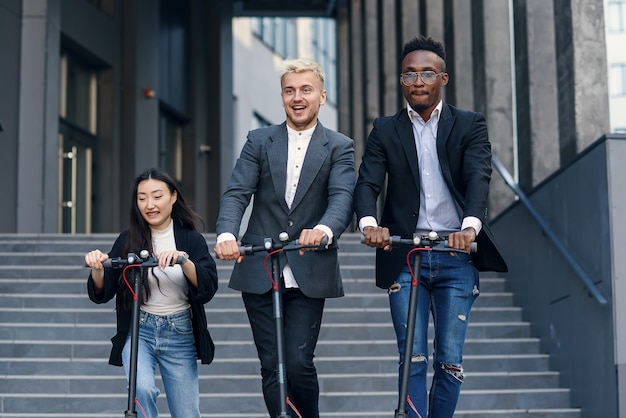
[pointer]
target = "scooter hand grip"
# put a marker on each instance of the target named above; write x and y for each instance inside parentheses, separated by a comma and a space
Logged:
(112, 262)
(245, 249)
(396, 240)
(473, 246)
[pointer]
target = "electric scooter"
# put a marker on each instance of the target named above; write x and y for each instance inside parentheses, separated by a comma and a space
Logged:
(273, 250)
(137, 263)
(430, 242)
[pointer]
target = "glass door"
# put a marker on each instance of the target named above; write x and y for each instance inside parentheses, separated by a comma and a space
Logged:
(75, 186)
(77, 137)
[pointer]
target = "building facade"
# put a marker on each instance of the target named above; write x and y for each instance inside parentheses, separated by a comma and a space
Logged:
(94, 91)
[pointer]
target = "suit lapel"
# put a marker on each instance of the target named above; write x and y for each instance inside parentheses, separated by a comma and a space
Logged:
(277, 158)
(446, 121)
(316, 154)
(404, 129)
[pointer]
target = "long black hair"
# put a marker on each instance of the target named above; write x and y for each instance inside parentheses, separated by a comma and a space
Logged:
(139, 232)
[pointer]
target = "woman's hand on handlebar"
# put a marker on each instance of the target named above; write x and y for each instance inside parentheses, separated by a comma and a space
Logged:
(95, 258)
(228, 250)
(377, 237)
(168, 258)
(462, 240)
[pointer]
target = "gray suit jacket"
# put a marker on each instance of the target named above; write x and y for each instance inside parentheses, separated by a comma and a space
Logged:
(323, 196)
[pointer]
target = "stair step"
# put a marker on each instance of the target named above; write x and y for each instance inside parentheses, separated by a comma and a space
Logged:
(55, 343)
(330, 382)
(252, 402)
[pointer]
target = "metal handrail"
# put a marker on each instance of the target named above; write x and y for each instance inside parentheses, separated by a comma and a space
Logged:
(508, 179)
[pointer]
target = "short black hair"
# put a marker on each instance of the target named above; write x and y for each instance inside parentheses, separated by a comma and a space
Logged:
(425, 44)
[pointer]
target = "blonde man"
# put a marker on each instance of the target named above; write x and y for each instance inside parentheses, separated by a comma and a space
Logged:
(301, 175)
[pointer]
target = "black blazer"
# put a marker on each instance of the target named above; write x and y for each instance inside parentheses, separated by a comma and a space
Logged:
(390, 154)
(194, 244)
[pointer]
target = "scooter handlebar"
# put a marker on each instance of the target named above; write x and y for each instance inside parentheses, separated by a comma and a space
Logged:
(285, 246)
(438, 243)
(134, 260)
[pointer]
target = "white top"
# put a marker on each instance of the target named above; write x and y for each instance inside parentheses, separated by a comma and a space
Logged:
(168, 286)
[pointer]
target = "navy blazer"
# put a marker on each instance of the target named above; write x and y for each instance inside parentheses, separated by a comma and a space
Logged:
(195, 245)
(464, 153)
(323, 196)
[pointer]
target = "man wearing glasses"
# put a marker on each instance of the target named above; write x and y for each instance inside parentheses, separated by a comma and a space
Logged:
(435, 162)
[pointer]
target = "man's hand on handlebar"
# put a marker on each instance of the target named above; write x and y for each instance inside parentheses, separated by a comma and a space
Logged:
(377, 237)
(311, 237)
(228, 250)
(463, 239)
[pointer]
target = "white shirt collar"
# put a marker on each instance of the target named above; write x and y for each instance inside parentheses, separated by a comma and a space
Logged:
(306, 133)
(435, 115)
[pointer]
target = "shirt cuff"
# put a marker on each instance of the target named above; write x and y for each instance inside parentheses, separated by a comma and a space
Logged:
(367, 221)
(225, 236)
(327, 231)
(474, 222)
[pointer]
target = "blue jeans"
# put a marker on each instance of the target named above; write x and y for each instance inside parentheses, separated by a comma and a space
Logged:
(448, 287)
(167, 341)
(302, 317)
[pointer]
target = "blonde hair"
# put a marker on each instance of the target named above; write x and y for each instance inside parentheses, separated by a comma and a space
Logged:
(301, 65)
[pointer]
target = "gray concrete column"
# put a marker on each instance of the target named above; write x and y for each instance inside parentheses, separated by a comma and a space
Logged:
(221, 102)
(37, 158)
(356, 75)
(146, 76)
(198, 134)
(344, 71)
(10, 44)
(410, 19)
(434, 20)
(462, 76)
(583, 101)
(498, 95)
(592, 104)
(390, 55)
(372, 69)
(543, 127)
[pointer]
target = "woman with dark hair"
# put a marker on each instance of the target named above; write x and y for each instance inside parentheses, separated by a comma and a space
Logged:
(172, 327)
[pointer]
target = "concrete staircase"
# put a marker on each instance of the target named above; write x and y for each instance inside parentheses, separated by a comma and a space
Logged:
(54, 345)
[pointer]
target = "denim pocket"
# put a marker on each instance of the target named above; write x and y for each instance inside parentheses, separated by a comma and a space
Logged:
(182, 326)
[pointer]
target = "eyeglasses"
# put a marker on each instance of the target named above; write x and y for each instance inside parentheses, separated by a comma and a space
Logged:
(410, 78)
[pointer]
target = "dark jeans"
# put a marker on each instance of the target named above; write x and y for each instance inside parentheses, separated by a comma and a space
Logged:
(302, 318)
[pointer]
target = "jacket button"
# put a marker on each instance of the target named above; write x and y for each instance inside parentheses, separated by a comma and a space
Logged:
(290, 223)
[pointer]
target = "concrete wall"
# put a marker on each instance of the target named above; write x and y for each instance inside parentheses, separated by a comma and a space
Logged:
(586, 340)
